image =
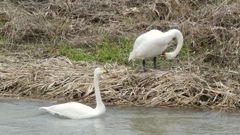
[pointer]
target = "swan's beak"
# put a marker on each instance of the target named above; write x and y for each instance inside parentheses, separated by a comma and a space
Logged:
(164, 55)
(105, 71)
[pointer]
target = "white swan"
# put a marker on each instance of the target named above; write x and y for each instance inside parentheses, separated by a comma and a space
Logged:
(74, 110)
(153, 43)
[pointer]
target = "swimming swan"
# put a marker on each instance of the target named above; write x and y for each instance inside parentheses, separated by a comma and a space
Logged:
(153, 43)
(74, 110)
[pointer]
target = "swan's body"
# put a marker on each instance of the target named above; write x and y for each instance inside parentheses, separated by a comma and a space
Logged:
(142, 38)
(74, 110)
(153, 43)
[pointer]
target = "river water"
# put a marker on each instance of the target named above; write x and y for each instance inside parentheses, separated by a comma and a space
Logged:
(22, 117)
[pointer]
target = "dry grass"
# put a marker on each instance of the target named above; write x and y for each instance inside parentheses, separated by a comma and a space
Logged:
(64, 80)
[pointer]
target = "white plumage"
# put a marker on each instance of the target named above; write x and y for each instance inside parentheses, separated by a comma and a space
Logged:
(74, 110)
(153, 43)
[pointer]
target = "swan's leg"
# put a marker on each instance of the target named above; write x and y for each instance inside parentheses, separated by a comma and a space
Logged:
(155, 61)
(144, 63)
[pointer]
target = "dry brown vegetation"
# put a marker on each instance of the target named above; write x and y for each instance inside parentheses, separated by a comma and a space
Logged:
(59, 78)
(208, 78)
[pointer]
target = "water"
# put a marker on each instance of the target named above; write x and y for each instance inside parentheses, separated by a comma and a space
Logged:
(18, 117)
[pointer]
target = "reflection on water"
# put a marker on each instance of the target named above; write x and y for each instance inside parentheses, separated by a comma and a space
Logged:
(23, 117)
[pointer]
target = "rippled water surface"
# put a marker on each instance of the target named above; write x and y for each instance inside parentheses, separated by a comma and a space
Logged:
(19, 117)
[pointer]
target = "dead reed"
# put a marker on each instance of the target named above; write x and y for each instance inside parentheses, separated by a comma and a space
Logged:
(64, 80)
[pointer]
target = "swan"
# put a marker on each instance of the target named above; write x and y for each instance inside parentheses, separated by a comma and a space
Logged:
(74, 110)
(153, 43)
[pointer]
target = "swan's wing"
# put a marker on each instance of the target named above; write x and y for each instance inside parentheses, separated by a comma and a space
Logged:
(71, 110)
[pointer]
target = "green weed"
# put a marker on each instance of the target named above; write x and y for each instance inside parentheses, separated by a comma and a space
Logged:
(73, 53)
(128, 21)
(109, 49)
(114, 49)
(185, 51)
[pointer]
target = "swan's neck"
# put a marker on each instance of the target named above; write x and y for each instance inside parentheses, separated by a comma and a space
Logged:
(97, 93)
(178, 35)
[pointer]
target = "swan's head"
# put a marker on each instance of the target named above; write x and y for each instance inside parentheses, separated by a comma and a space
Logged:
(100, 71)
(132, 56)
(169, 55)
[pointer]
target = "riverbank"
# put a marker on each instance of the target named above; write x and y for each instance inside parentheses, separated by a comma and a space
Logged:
(49, 49)
(60, 79)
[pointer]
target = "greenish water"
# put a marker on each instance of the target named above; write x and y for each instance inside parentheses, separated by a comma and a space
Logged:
(19, 117)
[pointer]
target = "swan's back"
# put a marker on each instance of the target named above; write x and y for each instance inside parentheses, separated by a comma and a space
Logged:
(146, 37)
(73, 110)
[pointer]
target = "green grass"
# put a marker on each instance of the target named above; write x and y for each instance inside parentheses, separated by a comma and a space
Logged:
(128, 21)
(185, 51)
(2, 40)
(2, 22)
(73, 54)
(108, 50)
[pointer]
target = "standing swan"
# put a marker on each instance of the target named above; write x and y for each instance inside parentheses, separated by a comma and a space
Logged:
(74, 110)
(153, 43)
